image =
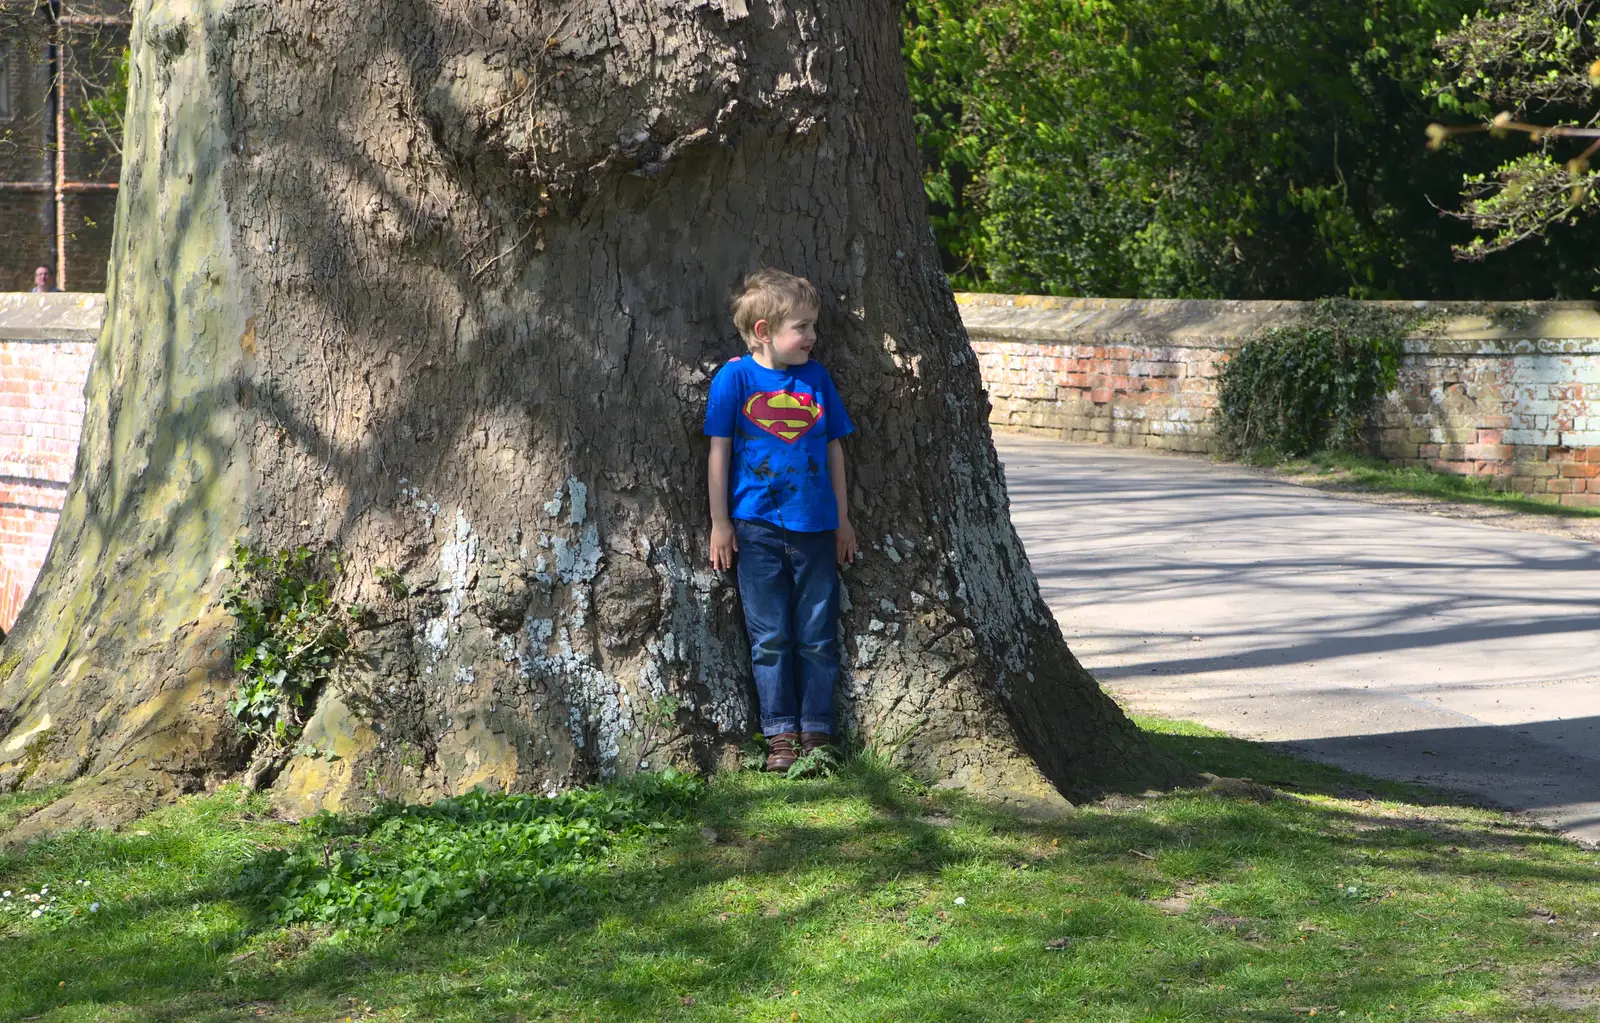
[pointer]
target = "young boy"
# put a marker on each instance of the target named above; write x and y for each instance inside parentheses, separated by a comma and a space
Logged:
(778, 501)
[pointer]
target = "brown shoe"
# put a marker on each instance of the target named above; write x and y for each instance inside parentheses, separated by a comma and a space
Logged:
(810, 742)
(781, 753)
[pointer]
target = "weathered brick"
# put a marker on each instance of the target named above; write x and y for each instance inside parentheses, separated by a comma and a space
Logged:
(1458, 433)
(1580, 470)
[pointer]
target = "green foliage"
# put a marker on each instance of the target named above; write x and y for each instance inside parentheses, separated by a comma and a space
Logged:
(1525, 59)
(99, 118)
(819, 763)
(753, 753)
(393, 582)
(657, 725)
(463, 859)
(287, 639)
(1195, 148)
(1312, 385)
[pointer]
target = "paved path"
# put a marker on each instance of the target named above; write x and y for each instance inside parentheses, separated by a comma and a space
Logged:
(1379, 639)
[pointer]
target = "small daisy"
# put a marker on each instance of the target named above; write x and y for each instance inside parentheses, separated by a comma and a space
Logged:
(961, 900)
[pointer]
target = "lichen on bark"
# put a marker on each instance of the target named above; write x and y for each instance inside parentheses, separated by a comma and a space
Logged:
(441, 285)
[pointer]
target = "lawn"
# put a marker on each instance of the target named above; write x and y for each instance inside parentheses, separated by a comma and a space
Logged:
(1366, 473)
(862, 896)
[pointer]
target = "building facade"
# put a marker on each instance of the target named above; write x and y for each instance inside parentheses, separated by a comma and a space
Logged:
(59, 80)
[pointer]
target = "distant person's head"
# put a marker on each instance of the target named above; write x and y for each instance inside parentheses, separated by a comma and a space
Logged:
(779, 310)
(43, 279)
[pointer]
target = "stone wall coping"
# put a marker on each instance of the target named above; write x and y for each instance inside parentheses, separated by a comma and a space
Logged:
(57, 316)
(1471, 328)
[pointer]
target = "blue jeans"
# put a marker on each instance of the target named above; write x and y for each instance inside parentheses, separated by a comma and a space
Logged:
(789, 585)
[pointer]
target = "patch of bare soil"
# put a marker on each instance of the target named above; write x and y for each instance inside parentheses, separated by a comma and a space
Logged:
(1177, 903)
(1574, 990)
(1242, 927)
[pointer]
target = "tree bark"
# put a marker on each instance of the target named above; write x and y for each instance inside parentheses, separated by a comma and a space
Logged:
(440, 286)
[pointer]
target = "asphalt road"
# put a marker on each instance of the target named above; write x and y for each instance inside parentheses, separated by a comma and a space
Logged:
(1386, 641)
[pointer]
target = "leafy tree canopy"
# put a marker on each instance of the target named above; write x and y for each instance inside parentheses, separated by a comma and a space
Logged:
(1201, 148)
(1528, 67)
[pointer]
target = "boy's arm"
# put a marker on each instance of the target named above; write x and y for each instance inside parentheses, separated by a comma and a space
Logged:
(845, 536)
(724, 544)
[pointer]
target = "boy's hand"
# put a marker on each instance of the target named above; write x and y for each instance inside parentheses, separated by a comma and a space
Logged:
(724, 545)
(844, 542)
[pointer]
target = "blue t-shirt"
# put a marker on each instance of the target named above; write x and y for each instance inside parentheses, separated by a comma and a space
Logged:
(781, 421)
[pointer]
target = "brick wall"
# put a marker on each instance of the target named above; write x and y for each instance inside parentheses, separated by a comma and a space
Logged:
(1501, 390)
(46, 344)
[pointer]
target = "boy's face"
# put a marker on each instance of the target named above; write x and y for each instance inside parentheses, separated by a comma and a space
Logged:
(790, 342)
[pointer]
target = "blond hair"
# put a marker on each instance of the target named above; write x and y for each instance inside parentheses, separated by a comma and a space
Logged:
(770, 295)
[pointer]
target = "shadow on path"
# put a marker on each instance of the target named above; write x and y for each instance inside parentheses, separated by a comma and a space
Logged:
(1373, 637)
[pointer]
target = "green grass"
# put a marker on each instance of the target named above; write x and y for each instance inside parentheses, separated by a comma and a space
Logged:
(1368, 473)
(837, 899)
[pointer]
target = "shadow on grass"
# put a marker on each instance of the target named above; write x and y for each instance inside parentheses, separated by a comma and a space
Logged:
(1229, 757)
(837, 898)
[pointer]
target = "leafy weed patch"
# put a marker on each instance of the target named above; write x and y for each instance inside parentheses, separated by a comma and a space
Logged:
(481, 855)
(287, 639)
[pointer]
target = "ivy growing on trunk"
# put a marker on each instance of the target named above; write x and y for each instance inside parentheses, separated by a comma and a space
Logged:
(287, 640)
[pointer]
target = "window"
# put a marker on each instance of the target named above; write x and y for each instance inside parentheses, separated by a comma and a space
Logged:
(5, 81)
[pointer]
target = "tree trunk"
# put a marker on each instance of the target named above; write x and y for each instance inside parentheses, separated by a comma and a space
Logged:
(439, 286)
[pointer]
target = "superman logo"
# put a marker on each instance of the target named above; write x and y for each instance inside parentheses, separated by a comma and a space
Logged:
(785, 415)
